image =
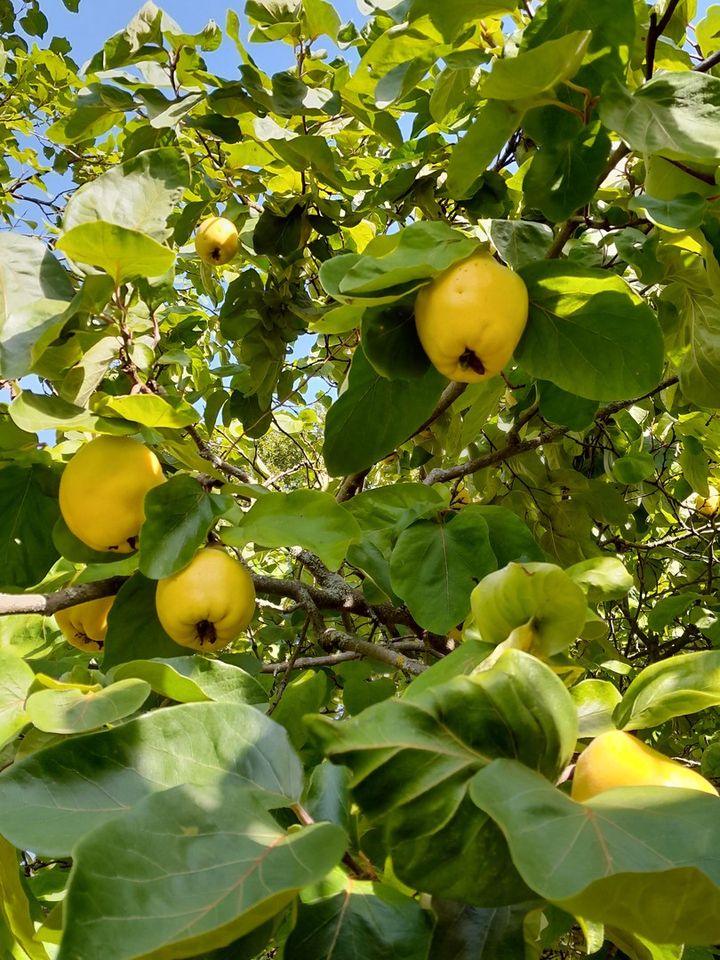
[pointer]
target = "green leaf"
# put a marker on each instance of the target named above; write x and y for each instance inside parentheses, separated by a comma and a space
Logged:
(477, 933)
(34, 412)
(200, 868)
(627, 858)
(139, 194)
(34, 294)
(670, 608)
(306, 518)
(520, 242)
(320, 17)
(454, 15)
(77, 711)
(510, 539)
(54, 797)
(595, 701)
(120, 252)
(528, 74)
(538, 599)
(565, 408)
(671, 688)
(391, 344)
(178, 517)
(602, 578)
(634, 467)
(134, 631)
(495, 122)
(563, 176)
(684, 212)
(589, 333)
(15, 680)
(307, 693)
(28, 511)
(150, 410)
(194, 678)
(359, 430)
(700, 364)
(412, 761)
(674, 114)
(461, 662)
(397, 264)
(385, 922)
(435, 564)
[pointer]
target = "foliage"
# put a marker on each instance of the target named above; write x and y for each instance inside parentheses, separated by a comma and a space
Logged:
(458, 586)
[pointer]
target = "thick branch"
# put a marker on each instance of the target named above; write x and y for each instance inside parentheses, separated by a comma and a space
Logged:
(656, 30)
(439, 475)
(48, 603)
(373, 651)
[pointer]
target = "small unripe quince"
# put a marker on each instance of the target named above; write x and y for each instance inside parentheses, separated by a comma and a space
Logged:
(85, 625)
(208, 603)
(216, 241)
(102, 490)
(617, 759)
(471, 317)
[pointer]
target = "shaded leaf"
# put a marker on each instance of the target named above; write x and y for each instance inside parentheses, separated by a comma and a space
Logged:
(76, 711)
(195, 678)
(15, 680)
(54, 797)
(28, 511)
(195, 869)
(637, 858)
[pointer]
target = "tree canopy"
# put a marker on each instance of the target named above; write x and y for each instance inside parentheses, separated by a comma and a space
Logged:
(428, 596)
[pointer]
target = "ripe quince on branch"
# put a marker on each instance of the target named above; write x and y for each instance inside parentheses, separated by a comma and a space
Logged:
(216, 241)
(208, 603)
(85, 624)
(617, 759)
(471, 317)
(102, 490)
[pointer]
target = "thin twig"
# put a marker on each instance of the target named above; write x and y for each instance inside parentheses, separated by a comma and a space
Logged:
(373, 651)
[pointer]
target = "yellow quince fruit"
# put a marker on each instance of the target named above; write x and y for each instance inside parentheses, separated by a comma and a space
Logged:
(85, 625)
(102, 490)
(208, 603)
(216, 241)
(617, 759)
(471, 317)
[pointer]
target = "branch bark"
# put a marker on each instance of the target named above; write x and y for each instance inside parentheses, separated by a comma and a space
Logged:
(373, 651)
(49, 603)
(440, 475)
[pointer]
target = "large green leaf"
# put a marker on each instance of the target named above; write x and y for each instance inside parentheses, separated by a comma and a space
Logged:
(671, 688)
(195, 678)
(435, 564)
(535, 603)
(139, 194)
(495, 122)
(383, 920)
(28, 511)
(400, 262)
(34, 294)
(563, 176)
(589, 333)
(412, 760)
(374, 415)
(15, 680)
(36, 411)
(194, 868)
(602, 578)
(463, 932)
(178, 517)
(639, 858)
(674, 114)
(54, 797)
(120, 252)
(150, 410)
(306, 518)
(700, 364)
(134, 631)
(453, 15)
(77, 711)
(595, 701)
(528, 74)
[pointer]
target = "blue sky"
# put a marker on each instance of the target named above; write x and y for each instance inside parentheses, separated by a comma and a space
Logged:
(96, 20)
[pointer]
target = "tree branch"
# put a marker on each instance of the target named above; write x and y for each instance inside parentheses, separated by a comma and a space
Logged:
(207, 454)
(439, 475)
(49, 603)
(373, 651)
(656, 30)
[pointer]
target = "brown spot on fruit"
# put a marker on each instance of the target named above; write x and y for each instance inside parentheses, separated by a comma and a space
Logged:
(469, 359)
(216, 254)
